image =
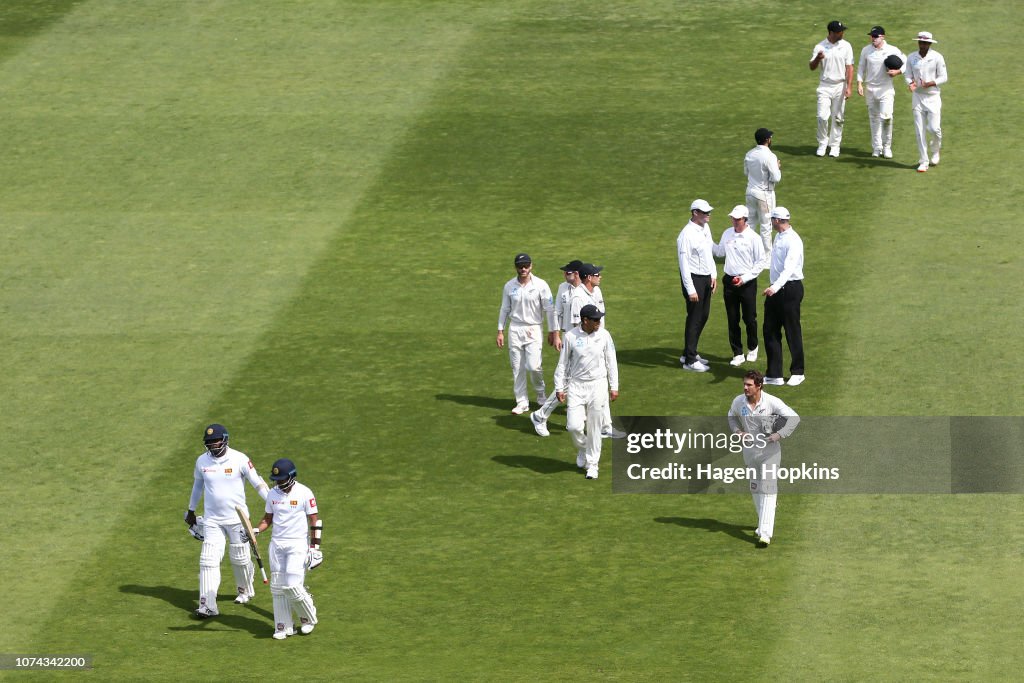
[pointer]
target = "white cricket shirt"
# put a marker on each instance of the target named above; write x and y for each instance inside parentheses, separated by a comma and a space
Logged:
(763, 172)
(527, 304)
(290, 512)
(587, 357)
(219, 482)
(871, 68)
(838, 56)
(581, 296)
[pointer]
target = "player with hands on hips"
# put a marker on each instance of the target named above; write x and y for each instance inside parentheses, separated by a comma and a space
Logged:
(217, 479)
(294, 548)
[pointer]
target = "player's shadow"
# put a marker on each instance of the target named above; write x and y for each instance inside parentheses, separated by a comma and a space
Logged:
(796, 150)
(504, 404)
(536, 463)
(517, 423)
(185, 600)
(713, 526)
(647, 358)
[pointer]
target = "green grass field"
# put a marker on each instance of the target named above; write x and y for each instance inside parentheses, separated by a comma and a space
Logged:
(295, 218)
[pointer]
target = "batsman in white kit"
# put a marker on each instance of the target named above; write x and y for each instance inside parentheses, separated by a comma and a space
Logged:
(218, 477)
(294, 548)
(758, 414)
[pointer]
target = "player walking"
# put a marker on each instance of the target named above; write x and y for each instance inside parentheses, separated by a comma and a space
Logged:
(218, 480)
(586, 376)
(756, 413)
(294, 548)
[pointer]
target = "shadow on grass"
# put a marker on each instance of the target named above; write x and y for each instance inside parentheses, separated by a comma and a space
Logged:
(502, 404)
(185, 600)
(536, 463)
(847, 156)
(648, 358)
(712, 525)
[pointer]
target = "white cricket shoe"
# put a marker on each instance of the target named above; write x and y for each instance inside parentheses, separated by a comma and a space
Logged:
(737, 360)
(540, 426)
(887, 152)
(821, 150)
(796, 380)
(613, 433)
(752, 355)
(876, 152)
(581, 459)
(763, 542)
(702, 361)
(922, 167)
(242, 598)
(935, 159)
(281, 635)
(834, 152)
(205, 612)
(592, 472)
(521, 408)
(306, 629)
(777, 381)
(695, 367)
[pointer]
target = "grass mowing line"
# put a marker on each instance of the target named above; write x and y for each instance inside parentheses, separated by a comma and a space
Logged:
(197, 376)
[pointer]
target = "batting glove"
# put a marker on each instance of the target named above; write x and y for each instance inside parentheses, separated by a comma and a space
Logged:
(314, 559)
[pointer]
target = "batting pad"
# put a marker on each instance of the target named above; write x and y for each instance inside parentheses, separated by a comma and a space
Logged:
(302, 603)
(282, 605)
(241, 564)
(767, 518)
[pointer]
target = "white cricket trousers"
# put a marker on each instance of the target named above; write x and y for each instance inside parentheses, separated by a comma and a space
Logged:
(880, 105)
(584, 414)
(928, 120)
(524, 353)
(764, 488)
(287, 589)
(760, 211)
(831, 110)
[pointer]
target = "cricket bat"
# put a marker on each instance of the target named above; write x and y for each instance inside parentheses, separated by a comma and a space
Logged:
(251, 535)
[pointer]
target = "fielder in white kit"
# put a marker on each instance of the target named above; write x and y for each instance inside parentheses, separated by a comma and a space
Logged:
(835, 56)
(563, 323)
(926, 71)
(874, 84)
(217, 478)
(756, 413)
(586, 377)
(294, 548)
(763, 172)
(525, 302)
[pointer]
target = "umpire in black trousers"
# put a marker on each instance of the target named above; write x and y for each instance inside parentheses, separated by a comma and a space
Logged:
(782, 302)
(698, 276)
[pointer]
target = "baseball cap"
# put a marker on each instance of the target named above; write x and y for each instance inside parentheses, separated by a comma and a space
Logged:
(925, 37)
(739, 211)
(836, 26)
(572, 266)
(876, 31)
(522, 259)
(701, 205)
(589, 269)
(762, 134)
(780, 212)
(591, 311)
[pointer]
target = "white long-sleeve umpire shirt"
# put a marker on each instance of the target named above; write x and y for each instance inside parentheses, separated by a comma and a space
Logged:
(787, 259)
(763, 172)
(527, 304)
(585, 358)
(695, 249)
(743, 252)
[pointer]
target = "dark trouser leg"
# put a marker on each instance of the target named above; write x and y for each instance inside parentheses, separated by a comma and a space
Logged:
(731, 295)
(696, 315)
(748, 302)
(772, 332)
(794, 294)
